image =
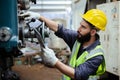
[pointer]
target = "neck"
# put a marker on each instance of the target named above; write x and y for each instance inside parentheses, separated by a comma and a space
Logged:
(91, 41)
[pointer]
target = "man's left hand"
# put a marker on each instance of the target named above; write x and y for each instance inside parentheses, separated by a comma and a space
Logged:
(49, 56)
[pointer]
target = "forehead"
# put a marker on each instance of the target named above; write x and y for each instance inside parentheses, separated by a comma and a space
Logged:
(84, 23)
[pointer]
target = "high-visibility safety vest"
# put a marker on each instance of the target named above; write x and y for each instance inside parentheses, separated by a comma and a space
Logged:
(74, 61)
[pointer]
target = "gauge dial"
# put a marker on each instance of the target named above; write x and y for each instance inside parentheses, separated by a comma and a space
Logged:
(5, 34)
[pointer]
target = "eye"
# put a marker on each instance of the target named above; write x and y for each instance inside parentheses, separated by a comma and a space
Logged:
(83, 27)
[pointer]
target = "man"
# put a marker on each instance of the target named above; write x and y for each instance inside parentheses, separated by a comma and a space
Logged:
(87, 60)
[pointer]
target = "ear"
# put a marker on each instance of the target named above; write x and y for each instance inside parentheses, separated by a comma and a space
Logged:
(93, 32)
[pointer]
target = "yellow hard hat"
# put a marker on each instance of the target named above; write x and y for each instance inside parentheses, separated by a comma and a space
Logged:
(96, 17)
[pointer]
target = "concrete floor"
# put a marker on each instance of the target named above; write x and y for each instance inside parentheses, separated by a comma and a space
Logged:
(37, 72)
(40, 72)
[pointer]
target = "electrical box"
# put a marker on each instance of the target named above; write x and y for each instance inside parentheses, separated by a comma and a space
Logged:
(110, 38)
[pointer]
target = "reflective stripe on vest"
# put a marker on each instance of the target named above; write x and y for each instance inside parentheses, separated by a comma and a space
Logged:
(84, 57)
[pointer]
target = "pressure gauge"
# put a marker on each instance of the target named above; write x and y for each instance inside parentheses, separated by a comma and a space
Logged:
(5, 34)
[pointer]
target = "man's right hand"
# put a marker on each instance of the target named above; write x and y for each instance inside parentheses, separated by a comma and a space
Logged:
(29, 15)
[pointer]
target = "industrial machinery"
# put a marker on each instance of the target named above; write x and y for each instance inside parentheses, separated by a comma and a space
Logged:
(13, 31)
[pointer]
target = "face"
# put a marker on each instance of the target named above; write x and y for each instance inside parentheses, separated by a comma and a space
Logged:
(84, 32)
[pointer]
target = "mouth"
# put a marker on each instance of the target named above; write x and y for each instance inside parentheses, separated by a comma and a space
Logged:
(79, 34)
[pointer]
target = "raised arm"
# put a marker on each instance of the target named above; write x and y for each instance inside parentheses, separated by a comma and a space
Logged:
(49, 23)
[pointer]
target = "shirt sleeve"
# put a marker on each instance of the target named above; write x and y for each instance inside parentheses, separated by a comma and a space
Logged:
(90, 67)
(69, 36)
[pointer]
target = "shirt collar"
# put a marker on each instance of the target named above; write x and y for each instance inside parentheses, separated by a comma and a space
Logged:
(92, 46)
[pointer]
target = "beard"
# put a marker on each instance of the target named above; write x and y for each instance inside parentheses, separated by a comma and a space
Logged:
(84, 38)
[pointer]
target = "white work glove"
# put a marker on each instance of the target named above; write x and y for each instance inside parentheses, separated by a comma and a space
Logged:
(29, 15)
(49, 57)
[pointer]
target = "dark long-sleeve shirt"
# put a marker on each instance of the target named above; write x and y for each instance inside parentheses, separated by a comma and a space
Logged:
(89, 67)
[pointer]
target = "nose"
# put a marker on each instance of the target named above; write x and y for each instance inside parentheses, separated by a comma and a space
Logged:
(79, 29)
(79, 32)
